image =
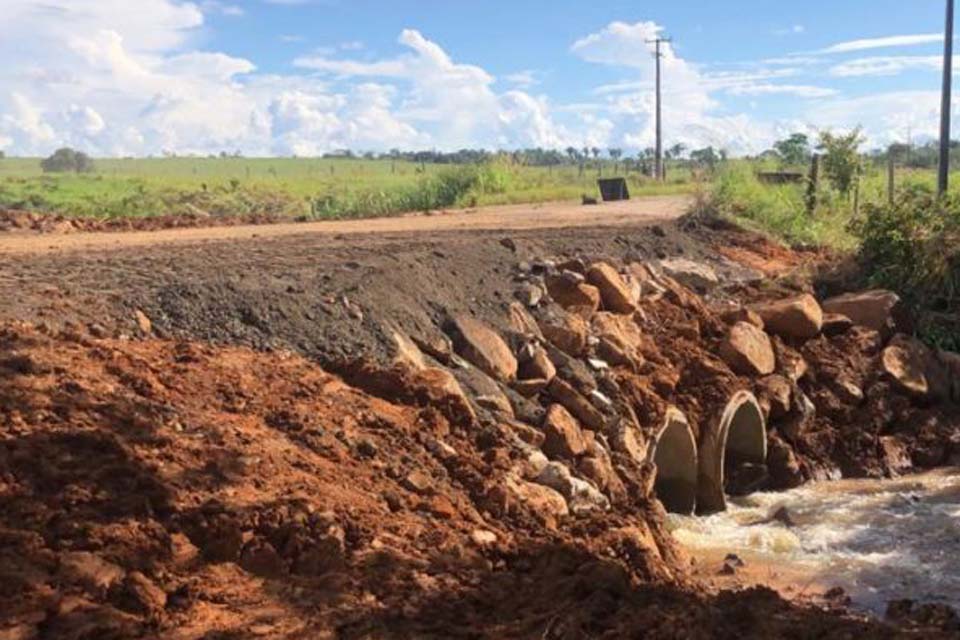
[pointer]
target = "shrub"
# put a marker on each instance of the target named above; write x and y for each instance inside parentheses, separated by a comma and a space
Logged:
(841, 158)
(66, 160)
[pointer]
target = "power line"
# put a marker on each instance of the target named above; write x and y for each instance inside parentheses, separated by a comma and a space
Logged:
(658, 54)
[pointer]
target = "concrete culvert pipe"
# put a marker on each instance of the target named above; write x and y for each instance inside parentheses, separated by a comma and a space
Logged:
(674, 451)
(733, 453)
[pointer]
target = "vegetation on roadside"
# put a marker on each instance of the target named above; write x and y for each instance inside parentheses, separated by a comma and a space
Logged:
(341, 187)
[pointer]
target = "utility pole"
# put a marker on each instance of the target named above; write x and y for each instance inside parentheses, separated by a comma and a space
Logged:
(944, 175)
(658, 54)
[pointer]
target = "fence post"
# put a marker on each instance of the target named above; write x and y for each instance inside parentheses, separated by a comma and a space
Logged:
(813, 184)
(856, 196)
(891, 170)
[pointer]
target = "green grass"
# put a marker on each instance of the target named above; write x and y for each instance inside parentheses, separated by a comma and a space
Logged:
(293, 187)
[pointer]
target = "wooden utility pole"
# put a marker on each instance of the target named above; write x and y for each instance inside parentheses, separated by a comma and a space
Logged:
(944, 175)
(658, 161)
(891, 176)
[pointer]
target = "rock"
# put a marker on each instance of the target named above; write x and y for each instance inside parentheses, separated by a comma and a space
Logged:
(407, 352)
(576, 404)
(629, 440)
(546, 503)
(895, 456)
(485, 391)
(444, 391)
(614, 293)
(483, 347)
(563, 436)
(572, 370)
(91, 571)
(782, 515)
(483, 538)
(789, 362)
(530, 388)
(418, 481)
(695, 275)
(565, 331)
(835, 324)
(574, 265)
(538, 367)
(522, 323)
(526, 433)
(614, 354)
(873, 309)
(742, 314)
(735, 560)
(143, 322)
(580, 297)
(775, 394)
(508, 243)
(905, 362)
(748, 350)
(727, 569)
(798, 317)
(260, 558)
(138, 594)
(529, 294)
(621, 330)
(847, 391)
(782, 464)
(582, 497)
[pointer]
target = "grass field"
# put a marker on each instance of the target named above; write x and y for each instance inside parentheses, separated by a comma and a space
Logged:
(293, 187)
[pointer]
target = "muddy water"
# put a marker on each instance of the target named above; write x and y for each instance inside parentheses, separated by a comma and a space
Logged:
(879, 540)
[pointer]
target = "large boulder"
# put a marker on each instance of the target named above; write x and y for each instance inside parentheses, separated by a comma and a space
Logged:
(872, 309)
(797, 317)
(614, 293)
(563, 436)
(483, 347)
(570, 292)
(748, 350)
(695, 275)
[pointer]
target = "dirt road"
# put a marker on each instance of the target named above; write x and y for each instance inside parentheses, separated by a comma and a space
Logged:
(515, 217)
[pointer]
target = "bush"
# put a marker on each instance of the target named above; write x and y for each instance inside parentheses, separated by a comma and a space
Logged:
(913, 247)
(66, 160)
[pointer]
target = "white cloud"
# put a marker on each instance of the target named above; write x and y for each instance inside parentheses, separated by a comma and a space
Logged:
(795, 29)
(522, 79)
(798, 90)
(882, 43)
(885, 65)
(216, 6)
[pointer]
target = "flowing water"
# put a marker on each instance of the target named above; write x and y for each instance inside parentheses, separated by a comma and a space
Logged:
(879, 540)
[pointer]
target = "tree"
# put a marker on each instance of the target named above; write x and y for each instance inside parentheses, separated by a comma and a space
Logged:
(706, 157)
(841, 158)
(67, 159)
(615, 155)
(794, 150)
(676, 151)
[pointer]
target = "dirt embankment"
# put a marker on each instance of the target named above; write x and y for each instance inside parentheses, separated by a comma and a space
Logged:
(484, 469)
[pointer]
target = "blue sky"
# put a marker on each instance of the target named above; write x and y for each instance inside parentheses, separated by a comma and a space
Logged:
(284, 77)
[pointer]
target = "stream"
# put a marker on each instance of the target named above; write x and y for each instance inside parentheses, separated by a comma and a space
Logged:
(879, 540)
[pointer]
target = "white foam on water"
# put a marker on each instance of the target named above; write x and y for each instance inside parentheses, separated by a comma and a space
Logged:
(878, 539)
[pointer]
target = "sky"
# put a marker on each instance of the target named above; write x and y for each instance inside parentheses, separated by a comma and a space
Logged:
(307, 77)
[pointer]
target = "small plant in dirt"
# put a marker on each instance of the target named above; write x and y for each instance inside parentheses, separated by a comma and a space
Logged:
(841, 158)
(67, 160)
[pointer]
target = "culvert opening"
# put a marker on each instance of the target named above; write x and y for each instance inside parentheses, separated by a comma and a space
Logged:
(745, 447)
(675, 454)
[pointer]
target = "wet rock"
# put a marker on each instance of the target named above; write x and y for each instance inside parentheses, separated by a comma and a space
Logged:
(582, 497)
(614, 293)
(563, 436)
(748, 350)
(735, 560)
(745, 479)
(835, 324)
(782, 515)
(576, 404)
(578, 297)
(782, 464)
(873, 309)
(775, 395)
(538, 366)
(566, 331)
(695, 275)
(798, 317)
(895, 456)
(483, 347)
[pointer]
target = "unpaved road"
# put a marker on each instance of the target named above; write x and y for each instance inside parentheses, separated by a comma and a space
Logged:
(509, 217)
